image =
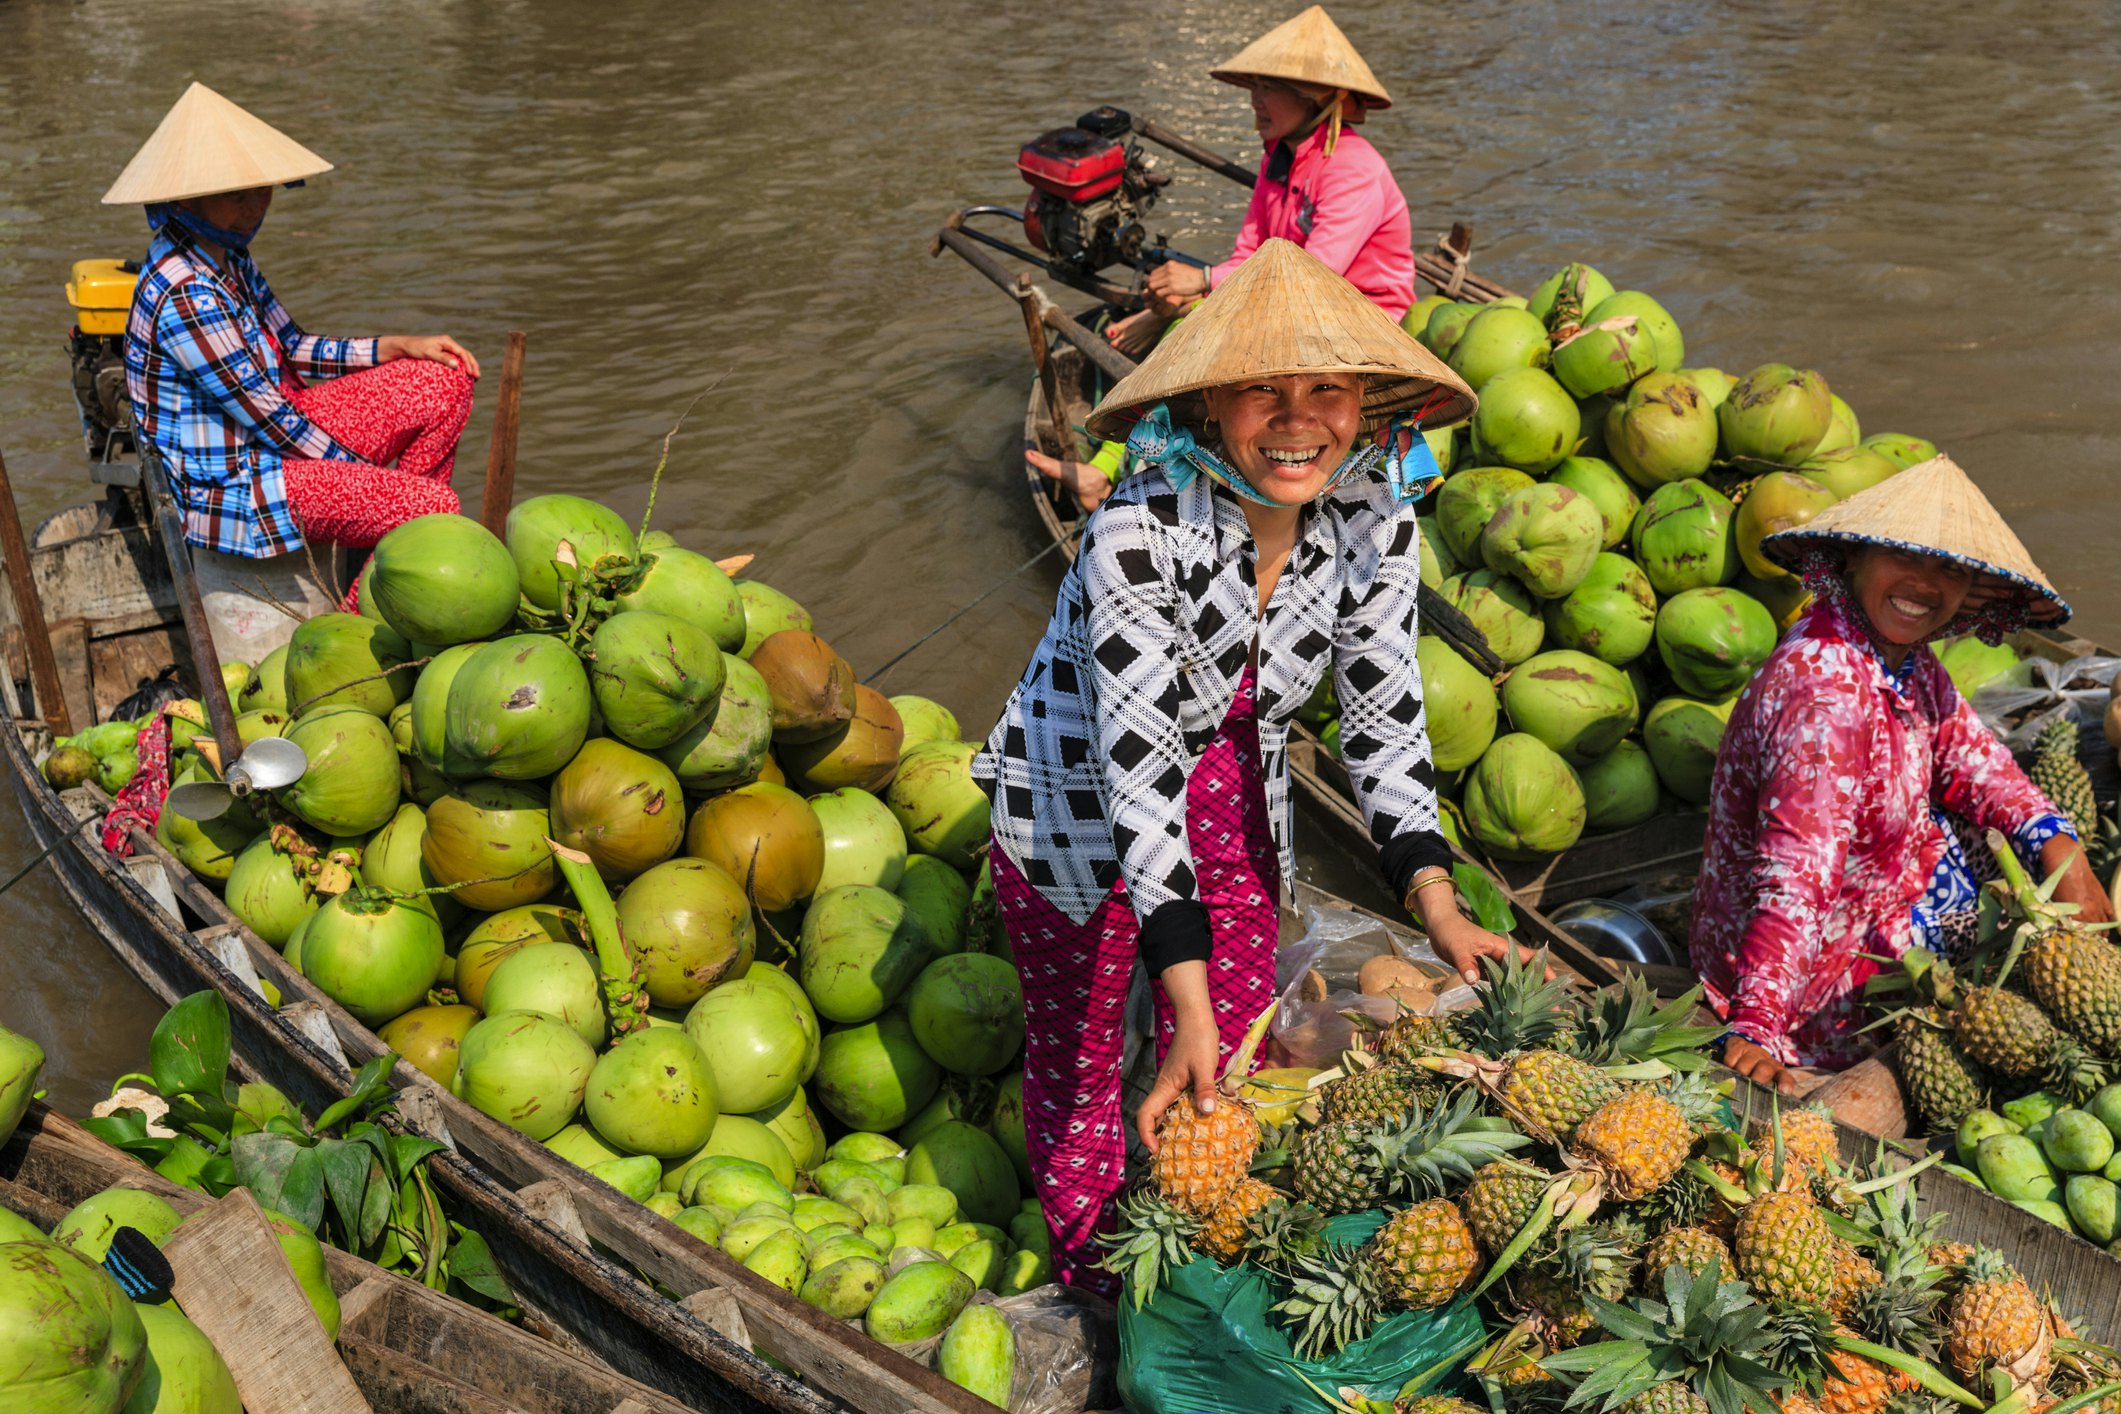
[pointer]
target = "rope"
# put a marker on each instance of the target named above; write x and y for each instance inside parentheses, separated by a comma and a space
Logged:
(989, 593)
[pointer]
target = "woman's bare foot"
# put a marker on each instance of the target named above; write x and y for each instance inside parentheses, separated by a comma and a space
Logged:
(1088, 484)
(1136, 334)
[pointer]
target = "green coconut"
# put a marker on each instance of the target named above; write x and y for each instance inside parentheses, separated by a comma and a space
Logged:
(1468, 501)
(21, 1062)
(654, 678)
(1611, 615)
(1714, 383)
(1564, 297)
(924, 720)
(936, 893)
(1604, 357)
(1684, 537)
(431, 1039)
(967, 1011)
(183, 1372)
(860, 950)
(429, 718)
(1897, 447)
(619, 806)
(1619, 788)
(1601, 483)
(556, 980)
(518, 708)
(1663, 431)
(863, 840)
(502, 935)
(690, 587)
(1849, 470)
(727, 747)
(351, 786)
(1973, 664)
(372, 954)
(1523, 801)
(392, 861)
(811, 686)
(90, 1224)
(443, 579)
(1775, 416)
(1780, 500)
(1713, 640)
(70, 1340)
(755, 1041)
(939, 807)
(1497, 340)
(766, 838)
(269, 891)
(1545, 537)
(653, 1093)
(1437, 562)
(689, 926)
(345, 660)
(1502, 609)
(1447, 323)
(527, 1071)
(1526, 420)
(489, 837)
(1662, 328)
(863, 752)
(1681, 735)
(874, 1076)
(967, 1161)
(792, 1122)
(1575, 704)
(268, 685)
(1416, 318)
(537, 528)
(1843, 430)
(207, 847)
(767, 612)
(1460, 703)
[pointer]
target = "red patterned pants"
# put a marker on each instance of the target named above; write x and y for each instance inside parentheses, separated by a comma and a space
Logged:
(409, 411)
(1075, 978)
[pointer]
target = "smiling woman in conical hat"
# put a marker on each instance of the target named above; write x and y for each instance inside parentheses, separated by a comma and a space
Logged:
(1139, 771)
(1320, 186)
(271, 435)
(1854, 787)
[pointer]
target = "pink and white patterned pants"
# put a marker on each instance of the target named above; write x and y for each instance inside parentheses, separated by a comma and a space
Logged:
(409, 411)
(1075, 978)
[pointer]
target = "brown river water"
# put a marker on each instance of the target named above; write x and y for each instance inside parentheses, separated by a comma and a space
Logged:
(1920, 200)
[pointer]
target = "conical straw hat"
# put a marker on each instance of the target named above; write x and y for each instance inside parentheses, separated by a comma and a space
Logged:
(1933, 507)
(1308, 49)
(1285, 312)
(207, 145)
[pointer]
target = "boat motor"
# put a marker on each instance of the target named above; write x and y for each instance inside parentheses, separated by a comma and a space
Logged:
(101, 292)
(1091, 187)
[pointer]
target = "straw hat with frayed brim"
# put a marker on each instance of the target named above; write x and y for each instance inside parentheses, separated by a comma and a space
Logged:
(1309, 49)
(1285, 312)
(207, 145)
(1933, 508)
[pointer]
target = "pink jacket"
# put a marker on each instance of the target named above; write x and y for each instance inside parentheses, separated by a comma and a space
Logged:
(1821, 835)
(1344, 209)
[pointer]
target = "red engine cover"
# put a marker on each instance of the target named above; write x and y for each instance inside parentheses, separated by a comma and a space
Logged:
(1072, 164)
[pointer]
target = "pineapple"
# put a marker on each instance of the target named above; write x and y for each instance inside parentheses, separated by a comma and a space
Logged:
(1639, 1139)
(1809, 1143)
(1598, 1261)
(1379, 1094)
(1803, 1347)
(1857, 1386)
(1899, 1309)
(1950, 1258)
(1995, 1322)
(1201, 1157)
(1154, 1233)
(1942, 1082)
(1500, 1198)
(1853, 1272)
(1784, 1248)
(1625, 1025)
(1224, 1235)
(1548, 1093)
(1670, 1397)
(1281, 1232)
(1339, 1167)
(1345, 1167)
(1434, 1404)
(1412, 1036)
(1518, 1007)
(1552, 1309)
(2061, 777)
(2074, 974)
(1421, 1257)
(1690, 1247)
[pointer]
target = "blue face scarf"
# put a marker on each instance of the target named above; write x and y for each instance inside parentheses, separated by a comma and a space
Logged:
(1410, 467)
(161, 212)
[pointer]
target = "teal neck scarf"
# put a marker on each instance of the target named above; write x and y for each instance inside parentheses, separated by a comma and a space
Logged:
(1409, 466)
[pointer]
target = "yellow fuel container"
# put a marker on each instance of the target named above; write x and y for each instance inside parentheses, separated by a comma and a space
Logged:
(101, 292)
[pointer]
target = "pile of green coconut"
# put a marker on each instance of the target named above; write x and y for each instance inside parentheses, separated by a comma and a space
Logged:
(1600, 522)
(618, 849)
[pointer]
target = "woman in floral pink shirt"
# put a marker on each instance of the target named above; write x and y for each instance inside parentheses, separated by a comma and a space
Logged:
(1851, 767)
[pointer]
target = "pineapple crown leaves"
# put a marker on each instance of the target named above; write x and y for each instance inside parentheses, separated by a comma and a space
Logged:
(1707, 1333)
(1334, 1299)
(1443, 1146)
(1518, 1006)
(1600, 1257)
(1625, 1025)
(1283, 1230)
(1697, 1096)
(1798, 1342)
(1153, 1235)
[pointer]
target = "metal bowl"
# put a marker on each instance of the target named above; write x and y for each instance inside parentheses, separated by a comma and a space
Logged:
(1614, 929)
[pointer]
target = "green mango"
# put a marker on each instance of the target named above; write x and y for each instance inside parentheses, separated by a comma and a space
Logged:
(982, 1261)
(2014, 1168)
(2094, 1207)
(929, 1202)
(2077, 1142)
(783, 1259)
(638, 1176)
(2028, 1110)
(1024, 1270)
(979, 1354)
(918, 1304)
(845, 1287)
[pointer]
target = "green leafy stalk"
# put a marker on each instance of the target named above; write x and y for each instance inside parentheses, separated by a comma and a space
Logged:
(625, 999)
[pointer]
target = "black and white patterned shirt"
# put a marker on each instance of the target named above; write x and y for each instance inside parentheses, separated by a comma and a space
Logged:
(1138, 667)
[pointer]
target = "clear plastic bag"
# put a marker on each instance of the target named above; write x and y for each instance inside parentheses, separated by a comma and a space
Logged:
(2019, 712)
(1335, 944)
(1067, 1349)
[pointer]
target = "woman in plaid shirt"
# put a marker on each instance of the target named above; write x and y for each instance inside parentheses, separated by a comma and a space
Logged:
(1139, 772)
(270, 435)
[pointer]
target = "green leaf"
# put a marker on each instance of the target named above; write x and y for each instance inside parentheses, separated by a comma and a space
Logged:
(189, 1052)
(127, 1130)
(372, 1081)
(288, 1127)
(375, 1208)
(471, 1264)
(1491, 907)
(412, 1150)
(207, 1118)
(284, 1175)
(346, 1169)
(185, 1163)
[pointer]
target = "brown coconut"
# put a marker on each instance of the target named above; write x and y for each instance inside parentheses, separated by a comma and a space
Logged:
(863, 753)
(619, 806)
(766, 837)
(812, 687)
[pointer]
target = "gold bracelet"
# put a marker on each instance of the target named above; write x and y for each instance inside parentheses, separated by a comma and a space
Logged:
(1432, 874)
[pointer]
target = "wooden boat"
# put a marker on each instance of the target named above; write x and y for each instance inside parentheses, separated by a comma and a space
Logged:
(410, 1350)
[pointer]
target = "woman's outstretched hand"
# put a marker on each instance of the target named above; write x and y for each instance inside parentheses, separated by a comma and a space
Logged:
(1086, 483)
(1462, 943)
(1193, 1065)
(435, 348)
(1755, 1064)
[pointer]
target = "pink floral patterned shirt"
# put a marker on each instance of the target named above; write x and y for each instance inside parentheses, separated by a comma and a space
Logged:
(1822, 832)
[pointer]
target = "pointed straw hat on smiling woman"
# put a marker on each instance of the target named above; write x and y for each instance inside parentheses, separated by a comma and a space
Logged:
(1284, 312)
(207, 145)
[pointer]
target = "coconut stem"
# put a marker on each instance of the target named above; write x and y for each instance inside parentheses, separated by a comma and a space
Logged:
(625, 1001)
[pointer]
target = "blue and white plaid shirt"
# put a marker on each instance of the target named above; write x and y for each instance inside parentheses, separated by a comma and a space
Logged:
(203, 360)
